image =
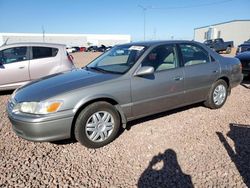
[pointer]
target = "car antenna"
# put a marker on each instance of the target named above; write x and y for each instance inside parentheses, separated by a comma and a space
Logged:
(5, 42)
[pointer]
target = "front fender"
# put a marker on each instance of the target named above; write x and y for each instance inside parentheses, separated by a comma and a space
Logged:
(88, 100)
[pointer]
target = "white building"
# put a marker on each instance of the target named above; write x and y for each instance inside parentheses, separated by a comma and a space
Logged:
(236, 30)
(68, 39)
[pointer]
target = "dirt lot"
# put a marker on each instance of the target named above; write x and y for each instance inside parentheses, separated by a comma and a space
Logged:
(191, 146)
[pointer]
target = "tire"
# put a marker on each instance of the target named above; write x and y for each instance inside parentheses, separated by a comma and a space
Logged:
(97, 125)
(219, 88)
(228, 50)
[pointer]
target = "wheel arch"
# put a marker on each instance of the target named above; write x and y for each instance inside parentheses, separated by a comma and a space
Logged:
(226, 79)
(110, 100)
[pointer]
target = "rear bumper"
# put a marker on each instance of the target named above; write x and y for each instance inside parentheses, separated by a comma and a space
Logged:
(236, 80)
(40, 129)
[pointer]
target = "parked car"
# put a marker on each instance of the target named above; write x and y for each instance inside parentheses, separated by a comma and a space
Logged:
(71, 49)
(77, 48)
(209, 43)
(92, 49)
(244, 58)
(83, 49)
(244, 47)
(128, 82)
(108, 48)
(220, 45)
(102, 48)
(20, 63)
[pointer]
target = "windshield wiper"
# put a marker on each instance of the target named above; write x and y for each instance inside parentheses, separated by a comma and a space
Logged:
(103, 70)
(96, 68)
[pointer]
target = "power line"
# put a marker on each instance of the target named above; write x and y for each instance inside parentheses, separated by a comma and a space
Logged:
(189, 6)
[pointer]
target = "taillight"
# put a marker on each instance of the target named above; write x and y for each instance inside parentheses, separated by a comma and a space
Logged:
(70, 58)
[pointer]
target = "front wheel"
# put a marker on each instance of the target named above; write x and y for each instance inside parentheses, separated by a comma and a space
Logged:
(217, 95)
(97, 125)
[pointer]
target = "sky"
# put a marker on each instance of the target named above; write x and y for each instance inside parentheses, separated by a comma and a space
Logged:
(165, 19)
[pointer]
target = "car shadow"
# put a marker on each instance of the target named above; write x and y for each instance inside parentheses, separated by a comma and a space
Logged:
(246, 82)
(240, 153)
(164, 171)
(6, 92)
(161, 114)
(64, 142)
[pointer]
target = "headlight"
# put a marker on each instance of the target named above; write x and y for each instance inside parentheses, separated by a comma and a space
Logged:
(38, 107)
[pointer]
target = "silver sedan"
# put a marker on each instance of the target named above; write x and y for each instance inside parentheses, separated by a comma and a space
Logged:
(128, 82)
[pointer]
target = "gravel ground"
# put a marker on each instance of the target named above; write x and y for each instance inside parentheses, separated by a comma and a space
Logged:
(191, 146)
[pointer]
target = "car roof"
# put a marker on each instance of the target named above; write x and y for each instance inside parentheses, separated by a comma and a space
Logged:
(43, 44)
(158, 42)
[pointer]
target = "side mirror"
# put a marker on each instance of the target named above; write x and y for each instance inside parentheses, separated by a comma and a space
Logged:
(146, 70)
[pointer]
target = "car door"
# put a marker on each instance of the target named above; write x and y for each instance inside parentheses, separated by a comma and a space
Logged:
(219, 45)
(163, 89)
(45, 61)
(200, 72)
(14, 67)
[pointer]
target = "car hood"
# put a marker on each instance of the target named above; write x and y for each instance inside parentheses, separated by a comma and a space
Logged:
(57, 84)
(245, 44)
(244, 55)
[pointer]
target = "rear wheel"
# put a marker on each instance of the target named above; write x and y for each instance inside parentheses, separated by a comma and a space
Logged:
(97, 125)
(217, 95)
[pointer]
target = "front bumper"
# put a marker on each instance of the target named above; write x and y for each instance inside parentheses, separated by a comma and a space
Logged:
(41, 128)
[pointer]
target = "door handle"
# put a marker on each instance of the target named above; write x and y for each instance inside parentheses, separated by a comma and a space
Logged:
(22, 67)
(178, 78)
(215, 71)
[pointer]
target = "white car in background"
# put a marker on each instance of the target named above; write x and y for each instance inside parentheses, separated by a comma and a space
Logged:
(71, 49)
(21, 63)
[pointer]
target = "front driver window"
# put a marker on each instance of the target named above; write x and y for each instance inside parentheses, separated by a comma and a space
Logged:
(162, 58)
(12, 55)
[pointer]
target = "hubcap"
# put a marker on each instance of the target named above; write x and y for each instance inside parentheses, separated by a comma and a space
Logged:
(99, 126)
(219, 94)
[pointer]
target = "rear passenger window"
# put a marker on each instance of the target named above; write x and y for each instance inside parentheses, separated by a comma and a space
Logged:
(44, 52)
(193, 55)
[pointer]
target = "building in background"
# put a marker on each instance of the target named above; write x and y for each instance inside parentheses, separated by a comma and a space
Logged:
(68, 39)
(236, 30)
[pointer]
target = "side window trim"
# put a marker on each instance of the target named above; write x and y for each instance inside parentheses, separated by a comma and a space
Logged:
(49, 56)
(212, 59)
(176, 54)
(193, 44)
(31, 52)
(180, 56)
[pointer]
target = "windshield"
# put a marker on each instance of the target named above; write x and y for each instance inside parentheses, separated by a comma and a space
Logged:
(208, 41)
(119, 59)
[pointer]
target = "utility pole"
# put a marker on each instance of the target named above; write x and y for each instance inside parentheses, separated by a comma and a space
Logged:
(43, 34)
(144, 9)
(154, 35)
